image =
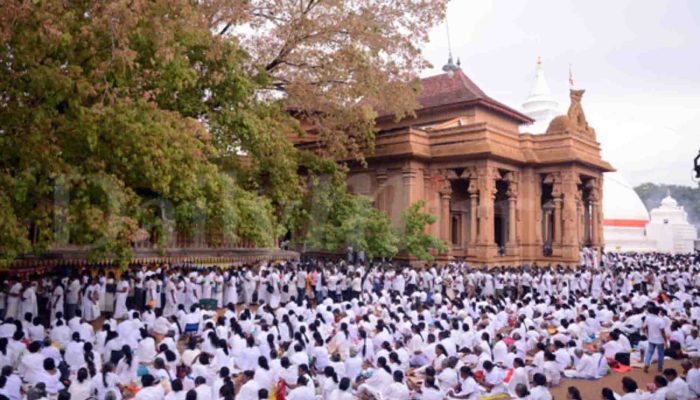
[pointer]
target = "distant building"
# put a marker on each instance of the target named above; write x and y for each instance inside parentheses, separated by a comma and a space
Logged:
(669, 228)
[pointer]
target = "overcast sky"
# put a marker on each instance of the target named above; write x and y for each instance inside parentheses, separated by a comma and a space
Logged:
(639, 62)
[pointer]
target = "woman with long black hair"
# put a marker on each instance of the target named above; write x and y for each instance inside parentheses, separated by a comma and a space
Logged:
(263, 375)
(105, 382)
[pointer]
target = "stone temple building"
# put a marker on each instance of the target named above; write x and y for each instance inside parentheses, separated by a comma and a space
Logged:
(500, 196)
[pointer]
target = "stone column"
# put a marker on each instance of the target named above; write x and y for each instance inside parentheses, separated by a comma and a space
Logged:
(511, 222)
(445, 197)
(594, 198)
(569, 188)
(380, 198)
(570, 243)
(594, 222)
(581, 232)
(487, 194)
(408, 174)
(557, 217)
(512, 202)
(536, 201)
(473, 204)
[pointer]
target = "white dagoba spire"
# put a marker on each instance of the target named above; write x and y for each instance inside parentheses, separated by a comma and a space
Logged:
(540, 104)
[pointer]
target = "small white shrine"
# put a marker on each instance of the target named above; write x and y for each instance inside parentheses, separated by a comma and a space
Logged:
(670, 229)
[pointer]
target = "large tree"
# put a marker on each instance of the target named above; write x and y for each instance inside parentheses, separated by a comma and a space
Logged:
(335, 62)
(133, 115)
(107, 116)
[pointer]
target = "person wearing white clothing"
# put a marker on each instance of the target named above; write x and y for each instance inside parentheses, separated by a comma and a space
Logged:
(80, 388)
(249, 387)
(693, 378)
(539, 391)
(343, 391)
(150, 389)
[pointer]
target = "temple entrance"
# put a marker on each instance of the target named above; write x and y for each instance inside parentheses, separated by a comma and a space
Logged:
(547, 205)
(499, 230)
(459, 214)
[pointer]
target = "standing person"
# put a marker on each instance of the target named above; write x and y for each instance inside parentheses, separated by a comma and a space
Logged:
(655, 327)
(91, 301)
(231, 292)
(248, 286)
(110, 290)
(72, 297)
(57, 300)
(102, 283)
(13, 298)
(301, 284)
(152, 295)
(29, 302)
(273, 282)
(170, 297)
(139, 294)
(120, 310)
(218, 290)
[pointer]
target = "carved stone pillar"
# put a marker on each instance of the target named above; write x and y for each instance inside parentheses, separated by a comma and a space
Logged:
(409, 182)
(473, 204)
(380, 198)
(569, 188)
(536, 201)
(594, 222)
(556, 196)
(594, 198)
(445, 197)
(580, 223)
(512, 202)
(487, 194)
(511, 222)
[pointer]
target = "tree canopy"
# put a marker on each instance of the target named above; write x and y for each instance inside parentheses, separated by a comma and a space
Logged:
(123, 118)
(416, 241)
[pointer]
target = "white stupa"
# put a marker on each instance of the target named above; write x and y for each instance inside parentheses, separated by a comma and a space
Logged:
(624, 213)
(624, 217)
(540, 104)
(670, 229)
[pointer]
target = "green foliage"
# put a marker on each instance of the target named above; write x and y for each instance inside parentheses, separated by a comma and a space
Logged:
(108, 107)
(686, 196)
(341, 219)
(416, 242)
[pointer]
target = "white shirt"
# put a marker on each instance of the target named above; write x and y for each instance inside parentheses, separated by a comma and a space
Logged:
(655, 326)
(154, 392)
(694, 380)
(249, 391)
(540, 393)
(302, 393)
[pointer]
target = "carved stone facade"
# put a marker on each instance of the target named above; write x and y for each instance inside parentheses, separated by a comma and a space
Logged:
(501, 197)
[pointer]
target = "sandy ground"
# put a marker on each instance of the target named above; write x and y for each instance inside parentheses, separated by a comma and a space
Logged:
(590, 390)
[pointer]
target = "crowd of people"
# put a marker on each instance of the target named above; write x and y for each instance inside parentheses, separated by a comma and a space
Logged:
(335, 330)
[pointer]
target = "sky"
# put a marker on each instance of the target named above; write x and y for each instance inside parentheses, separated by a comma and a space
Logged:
(639, 62)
